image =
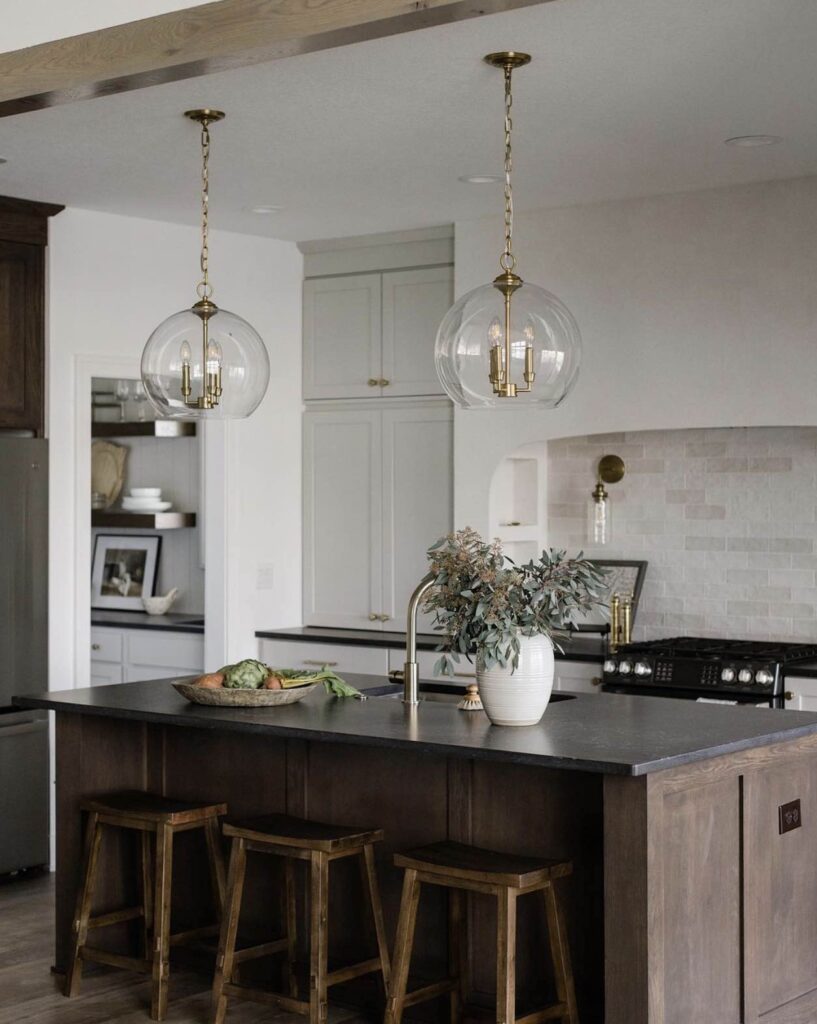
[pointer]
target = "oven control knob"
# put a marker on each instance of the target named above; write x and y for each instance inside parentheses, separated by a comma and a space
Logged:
(610, 665)
(764, 677)
(642, 668)
(625, 667)
(745, 675)
(728, 675)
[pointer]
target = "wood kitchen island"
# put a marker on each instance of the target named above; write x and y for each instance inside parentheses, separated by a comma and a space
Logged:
(689, 903)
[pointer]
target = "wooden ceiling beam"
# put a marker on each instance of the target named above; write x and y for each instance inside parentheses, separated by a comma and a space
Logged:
(213, 37)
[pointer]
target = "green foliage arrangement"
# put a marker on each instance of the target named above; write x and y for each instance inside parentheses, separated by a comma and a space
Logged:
(484, 602)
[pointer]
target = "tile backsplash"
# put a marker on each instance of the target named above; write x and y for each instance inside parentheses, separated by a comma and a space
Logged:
(724, 517)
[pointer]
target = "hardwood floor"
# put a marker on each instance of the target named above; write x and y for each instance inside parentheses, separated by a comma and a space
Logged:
(29, 993)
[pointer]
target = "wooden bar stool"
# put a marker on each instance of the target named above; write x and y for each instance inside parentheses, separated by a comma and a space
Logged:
(162, 816)
(319, 845)
(458, 867)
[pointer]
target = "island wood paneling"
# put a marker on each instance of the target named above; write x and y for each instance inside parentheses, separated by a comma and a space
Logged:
(209, 38)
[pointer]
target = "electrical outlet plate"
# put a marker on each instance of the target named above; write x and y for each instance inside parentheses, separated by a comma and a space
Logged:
(790, 816)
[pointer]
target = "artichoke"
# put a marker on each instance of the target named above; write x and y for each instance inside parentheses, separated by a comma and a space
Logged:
(245, 675)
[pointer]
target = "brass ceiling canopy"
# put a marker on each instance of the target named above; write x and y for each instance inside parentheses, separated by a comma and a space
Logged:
(205, 115)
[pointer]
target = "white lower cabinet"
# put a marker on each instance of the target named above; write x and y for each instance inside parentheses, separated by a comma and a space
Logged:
(373, 661)
(130, 655)
(578, 676)
(803, 694)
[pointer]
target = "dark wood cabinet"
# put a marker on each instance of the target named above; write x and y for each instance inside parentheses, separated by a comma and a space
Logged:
(23, 240)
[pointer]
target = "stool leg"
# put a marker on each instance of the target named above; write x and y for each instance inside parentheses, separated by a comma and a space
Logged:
(160, 975)
(506, 957)
(229, 929)
(404, 940)
(291, 923)
(370, 883)
(560, 951)
(146, 891)
(90, 860)
(318, 937)
(215, 855)
(457, 951)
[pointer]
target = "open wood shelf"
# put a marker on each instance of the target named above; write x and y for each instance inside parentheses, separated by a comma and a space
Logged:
(144, 520)
(148, 428)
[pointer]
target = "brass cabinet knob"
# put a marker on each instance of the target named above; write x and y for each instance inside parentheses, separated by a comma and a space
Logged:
(373, 616)
(383, 382)
(373, 382)
(788, 695)
(384, 618)
(596, 681)
(96, 647)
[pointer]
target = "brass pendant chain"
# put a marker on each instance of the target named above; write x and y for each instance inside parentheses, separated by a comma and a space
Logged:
(204, 288)
(507, 260)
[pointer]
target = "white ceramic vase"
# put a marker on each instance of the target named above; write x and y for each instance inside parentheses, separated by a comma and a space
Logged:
(519, 698)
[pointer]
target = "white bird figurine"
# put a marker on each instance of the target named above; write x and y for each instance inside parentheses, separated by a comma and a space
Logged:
(160, 605)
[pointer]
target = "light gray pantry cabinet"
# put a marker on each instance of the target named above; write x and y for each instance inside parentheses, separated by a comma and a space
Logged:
(372, 335)
(378, 491)
(128, 655)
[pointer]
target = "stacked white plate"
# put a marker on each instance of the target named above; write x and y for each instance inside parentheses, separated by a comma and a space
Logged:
(145, 499)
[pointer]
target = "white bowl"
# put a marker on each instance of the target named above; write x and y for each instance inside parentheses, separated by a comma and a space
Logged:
(147, 506)
(146, 492)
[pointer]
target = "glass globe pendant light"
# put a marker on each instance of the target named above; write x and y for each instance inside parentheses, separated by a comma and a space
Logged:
(508, 339)
(205, 362)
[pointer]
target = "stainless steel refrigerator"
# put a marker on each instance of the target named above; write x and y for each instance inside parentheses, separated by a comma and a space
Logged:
(24, 768)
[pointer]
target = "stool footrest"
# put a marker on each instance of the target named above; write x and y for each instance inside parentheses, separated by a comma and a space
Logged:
(115, 917)
(260, 995)
(263, 949)
(353, 971)
(127, 963)
(206, 930)
(555, 1012)
(432, 991)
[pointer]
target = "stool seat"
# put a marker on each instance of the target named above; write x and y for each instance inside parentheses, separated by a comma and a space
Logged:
(473, 864)
(285, 830)
(150, 807)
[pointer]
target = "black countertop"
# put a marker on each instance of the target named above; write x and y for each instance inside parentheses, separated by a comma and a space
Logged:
(175, 622)
(603, 733)
(580, 648)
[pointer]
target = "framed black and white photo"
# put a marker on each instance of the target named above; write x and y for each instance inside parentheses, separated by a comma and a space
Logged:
(124, 570)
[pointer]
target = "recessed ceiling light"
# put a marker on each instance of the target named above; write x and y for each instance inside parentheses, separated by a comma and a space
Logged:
(266, 209)
(480, 179)
(750, 141)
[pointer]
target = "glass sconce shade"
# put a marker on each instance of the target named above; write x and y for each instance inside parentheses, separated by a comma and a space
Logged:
(599, 524)
(231, 361)
(544, 337)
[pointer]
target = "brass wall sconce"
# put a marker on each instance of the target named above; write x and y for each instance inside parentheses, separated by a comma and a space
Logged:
(610, 470)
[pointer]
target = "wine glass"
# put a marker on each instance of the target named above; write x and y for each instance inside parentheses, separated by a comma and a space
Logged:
(122, 392)
(140, 396)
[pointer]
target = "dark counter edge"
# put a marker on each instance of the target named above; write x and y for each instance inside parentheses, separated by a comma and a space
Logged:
(579, 648)
(468, 753)
(170, 622)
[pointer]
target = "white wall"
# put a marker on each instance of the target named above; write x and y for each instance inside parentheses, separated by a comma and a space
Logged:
(40, 21)
(111, 281)
(698, 309)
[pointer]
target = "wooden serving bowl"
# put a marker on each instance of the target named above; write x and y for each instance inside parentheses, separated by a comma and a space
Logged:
(223, 697)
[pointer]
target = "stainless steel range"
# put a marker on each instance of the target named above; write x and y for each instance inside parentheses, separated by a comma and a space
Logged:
(696, 668)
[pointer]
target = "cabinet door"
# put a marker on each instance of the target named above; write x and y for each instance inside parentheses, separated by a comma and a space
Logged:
(105, 673)
(801, 694)
(21, 336)
(418, 499)
(414, 303)
(342, 337)
(158, 650)
(342, 518)
(577, 676)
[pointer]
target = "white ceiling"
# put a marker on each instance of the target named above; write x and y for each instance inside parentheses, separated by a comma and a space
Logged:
(624, 98)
